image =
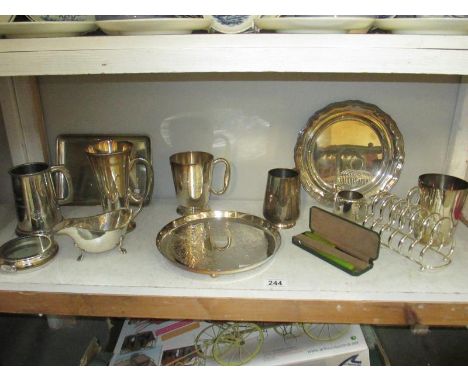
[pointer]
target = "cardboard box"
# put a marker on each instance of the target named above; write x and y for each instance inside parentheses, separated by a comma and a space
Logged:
(173, 343)
(137, 344)
(349, 349)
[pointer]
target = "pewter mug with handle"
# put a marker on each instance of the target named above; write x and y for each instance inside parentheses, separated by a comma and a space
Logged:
(111, 162)
(37, 205)
(192, 173)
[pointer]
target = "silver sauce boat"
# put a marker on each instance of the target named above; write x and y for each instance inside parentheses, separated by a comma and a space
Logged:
(98, 233)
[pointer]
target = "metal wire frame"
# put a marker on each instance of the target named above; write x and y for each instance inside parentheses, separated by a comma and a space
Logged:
(410, 230)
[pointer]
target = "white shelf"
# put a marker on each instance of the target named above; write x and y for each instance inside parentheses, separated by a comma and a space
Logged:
(206, 53)
(144, 272)
(143, 283)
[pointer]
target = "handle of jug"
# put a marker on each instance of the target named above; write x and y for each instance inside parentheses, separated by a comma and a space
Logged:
(136, 197)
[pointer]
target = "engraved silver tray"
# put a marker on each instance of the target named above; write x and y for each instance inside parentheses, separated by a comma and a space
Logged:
(349, 145)
(70, 152)
(218, 242)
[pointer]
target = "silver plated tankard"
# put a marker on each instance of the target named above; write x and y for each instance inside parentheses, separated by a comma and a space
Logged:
(37, 205)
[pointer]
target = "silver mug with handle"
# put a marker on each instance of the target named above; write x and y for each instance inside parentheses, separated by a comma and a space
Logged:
(37, 205)
(192, 173)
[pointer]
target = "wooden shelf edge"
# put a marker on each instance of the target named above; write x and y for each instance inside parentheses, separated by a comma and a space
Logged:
(236, 309)
(243, 53)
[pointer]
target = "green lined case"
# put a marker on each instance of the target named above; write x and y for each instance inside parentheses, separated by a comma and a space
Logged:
(340, 242)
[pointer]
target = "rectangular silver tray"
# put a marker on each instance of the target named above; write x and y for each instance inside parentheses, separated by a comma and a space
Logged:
(70, 152)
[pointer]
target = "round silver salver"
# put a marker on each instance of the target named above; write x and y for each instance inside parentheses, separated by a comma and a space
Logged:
(218, 242)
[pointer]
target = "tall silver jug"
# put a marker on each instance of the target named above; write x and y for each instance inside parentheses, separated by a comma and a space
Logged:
(112, 161)
(37, 205)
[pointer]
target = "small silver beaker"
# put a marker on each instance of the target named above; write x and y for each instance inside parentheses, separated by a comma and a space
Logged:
(351, 205)
(281, 205)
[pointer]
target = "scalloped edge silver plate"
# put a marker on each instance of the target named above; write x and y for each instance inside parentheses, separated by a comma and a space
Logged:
(393, 154)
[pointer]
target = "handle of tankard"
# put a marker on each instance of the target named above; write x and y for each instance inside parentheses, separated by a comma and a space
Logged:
(63, 170)
(136, 197)
(227, 176)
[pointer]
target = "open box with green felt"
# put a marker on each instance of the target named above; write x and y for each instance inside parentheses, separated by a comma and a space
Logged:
(342, 243)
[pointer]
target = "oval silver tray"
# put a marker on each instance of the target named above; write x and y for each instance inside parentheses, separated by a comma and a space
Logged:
(218, 242)
(349, 145)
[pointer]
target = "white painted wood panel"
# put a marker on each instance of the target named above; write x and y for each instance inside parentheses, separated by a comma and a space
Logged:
(242, 53)
(12, 121)
(6, 194)
(236, 41)
(23, 119)
(457, 160)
